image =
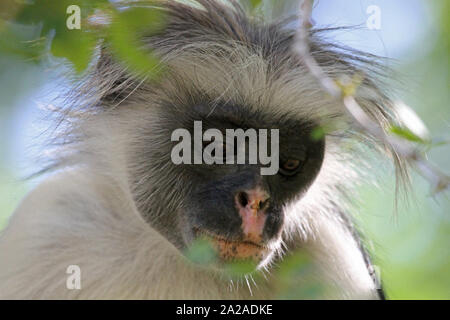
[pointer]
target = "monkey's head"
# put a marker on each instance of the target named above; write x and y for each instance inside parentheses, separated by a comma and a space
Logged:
(228, 72)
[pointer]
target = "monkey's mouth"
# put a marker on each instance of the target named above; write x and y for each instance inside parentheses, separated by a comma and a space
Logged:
(231, 250)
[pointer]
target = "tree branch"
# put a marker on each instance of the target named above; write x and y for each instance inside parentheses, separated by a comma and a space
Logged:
(405, 149)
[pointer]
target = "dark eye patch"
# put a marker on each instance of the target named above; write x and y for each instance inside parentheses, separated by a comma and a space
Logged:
(290, 167)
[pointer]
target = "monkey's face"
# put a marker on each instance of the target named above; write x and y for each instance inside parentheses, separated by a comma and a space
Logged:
(235, 206)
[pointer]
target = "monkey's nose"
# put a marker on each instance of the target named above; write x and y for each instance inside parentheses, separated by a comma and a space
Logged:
(252, 205)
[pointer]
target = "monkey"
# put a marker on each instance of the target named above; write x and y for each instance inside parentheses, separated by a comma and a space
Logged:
(116, 205)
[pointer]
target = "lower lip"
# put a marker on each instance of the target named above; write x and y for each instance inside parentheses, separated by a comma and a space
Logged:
(234, 250)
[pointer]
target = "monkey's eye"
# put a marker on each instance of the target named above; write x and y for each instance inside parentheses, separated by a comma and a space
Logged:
(290, 167)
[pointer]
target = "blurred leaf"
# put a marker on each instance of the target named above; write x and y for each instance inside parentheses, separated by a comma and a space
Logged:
(318, 133)
(201, 252)
(238, 269)
(125, 33)
(23, 41)
(128, 27)
(443, 11)
(49, 17)
(76, 46)
(437, 142)
(296, 278)
(406, 134)
(255, 3)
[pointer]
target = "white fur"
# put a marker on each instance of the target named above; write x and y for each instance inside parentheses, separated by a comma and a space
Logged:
(85, 214)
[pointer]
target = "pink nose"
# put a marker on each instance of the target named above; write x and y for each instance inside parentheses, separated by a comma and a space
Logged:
(251, 205)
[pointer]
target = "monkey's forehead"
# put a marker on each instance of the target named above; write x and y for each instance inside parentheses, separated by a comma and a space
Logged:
(215, 52)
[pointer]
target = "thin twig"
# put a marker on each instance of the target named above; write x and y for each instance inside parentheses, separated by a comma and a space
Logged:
(408, 151)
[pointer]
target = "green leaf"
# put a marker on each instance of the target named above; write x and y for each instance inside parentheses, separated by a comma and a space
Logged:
(76, 46)
(125, 34)
(406, 134)
(439, 142)
(238, 269)
(201, 252)
(22, 41)
(50, 16)
(296, 278)
(318, 133)
(255, 3)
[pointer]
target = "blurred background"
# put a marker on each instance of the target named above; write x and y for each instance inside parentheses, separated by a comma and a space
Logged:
(411, 243)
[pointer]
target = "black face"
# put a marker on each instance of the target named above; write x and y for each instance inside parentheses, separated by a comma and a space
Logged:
(233, 205)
